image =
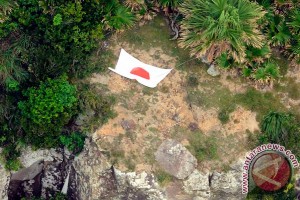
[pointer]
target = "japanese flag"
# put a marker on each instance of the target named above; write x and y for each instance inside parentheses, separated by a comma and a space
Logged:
(132, 68)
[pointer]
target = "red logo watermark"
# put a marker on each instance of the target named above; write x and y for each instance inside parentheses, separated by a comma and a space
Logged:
(269, 166)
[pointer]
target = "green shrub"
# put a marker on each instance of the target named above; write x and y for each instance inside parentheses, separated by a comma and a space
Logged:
(74, 142)
(163, 177)
(281, 128)
(63, 33)
(47, 109)
(192, 81)
(225, 112)
(275, 126)
(203, 148)
(223, 116)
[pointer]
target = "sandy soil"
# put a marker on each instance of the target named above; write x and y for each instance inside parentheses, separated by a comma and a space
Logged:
(156, 112)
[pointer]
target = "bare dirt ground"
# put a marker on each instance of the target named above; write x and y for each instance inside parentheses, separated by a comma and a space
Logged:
(157, 113)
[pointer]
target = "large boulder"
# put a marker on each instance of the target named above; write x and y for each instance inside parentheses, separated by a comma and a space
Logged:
(26, 182)
(175, 159)
(29, 156)
(92, 177)
(228, 184)
(43, 175)
(198, 183)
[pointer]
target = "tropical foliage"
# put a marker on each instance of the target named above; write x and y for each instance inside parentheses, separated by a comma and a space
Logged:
(44, 46)
(281, 128)
(46, 110)
(211, 28)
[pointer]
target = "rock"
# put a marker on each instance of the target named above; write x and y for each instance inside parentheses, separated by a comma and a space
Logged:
(193, 126)
(199, 198)
(26, 182)
(213, 71)
(92, 177)
(52, 179)
(225, 182)
(28, 156)
(29, 173)
(4, 183)
(175, 159)
(42, 176)
(128, 124)
(204, 59)
(176, 117)
(197, 182)
(86, 171)
(142, 186)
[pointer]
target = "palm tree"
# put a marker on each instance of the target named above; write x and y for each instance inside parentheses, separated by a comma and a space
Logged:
(213, 27)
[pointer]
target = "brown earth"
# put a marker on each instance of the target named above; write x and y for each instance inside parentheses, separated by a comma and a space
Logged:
(156, 112)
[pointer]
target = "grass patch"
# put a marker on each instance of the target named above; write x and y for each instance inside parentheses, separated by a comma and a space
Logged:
(131, 135)
(153, 130)
(141, 106)
(203, 147)
(259, 102)
(163, 177)
(99, 62)
(290, 87)
(223, 115)
(116, 155)
(129, 162)
(215, 97)
(282, 62)
(192, 81)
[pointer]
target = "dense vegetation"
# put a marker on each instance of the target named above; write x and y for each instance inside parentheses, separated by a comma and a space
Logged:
(45, 47)
(242, 33)
(43, 54)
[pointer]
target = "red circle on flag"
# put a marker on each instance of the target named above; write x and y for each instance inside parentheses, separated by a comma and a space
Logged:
(138, 71)
(271, 171)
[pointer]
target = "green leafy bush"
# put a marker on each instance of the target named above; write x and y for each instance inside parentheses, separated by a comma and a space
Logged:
(274, 126)
(47, 109)
(281, 128)
(63, 33)
(74, 142)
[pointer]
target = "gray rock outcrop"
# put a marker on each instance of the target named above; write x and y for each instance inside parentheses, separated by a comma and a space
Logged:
(92, 177)
(43, 175)
(4, 182)
(175, 159)
(198, 183)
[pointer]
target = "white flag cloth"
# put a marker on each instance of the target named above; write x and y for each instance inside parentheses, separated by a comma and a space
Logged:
(132, 68)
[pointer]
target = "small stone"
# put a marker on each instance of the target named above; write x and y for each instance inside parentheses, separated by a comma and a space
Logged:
(213, 71)
(193, 126)
(128, 125)
(176, 118)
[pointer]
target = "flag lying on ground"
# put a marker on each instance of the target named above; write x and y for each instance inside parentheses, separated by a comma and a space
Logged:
(132, 68)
